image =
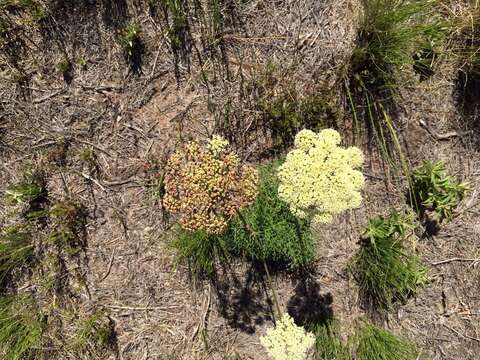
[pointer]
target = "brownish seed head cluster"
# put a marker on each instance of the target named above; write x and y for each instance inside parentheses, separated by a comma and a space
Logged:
(204, 188)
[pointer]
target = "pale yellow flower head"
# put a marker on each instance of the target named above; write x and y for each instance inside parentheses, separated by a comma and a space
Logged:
(319, 178)
(287, 341)
(305, 139)
(216, 144)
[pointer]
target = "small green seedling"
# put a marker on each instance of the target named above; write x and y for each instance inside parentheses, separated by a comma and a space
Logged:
(23, 192)
(92, 334)
(82, 62)
(130, 38)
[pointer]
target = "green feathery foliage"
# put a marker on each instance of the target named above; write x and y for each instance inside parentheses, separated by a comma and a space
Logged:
(16, 249)
(374, 343)
(435, 192)
(385, 268)
(279, 235)
(20, 328)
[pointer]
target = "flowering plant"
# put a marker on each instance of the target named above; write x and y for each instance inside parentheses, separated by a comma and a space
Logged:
(287, 341)
(319, 178)
(206, 185)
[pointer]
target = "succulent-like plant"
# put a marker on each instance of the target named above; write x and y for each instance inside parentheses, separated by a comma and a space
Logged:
(433, 193)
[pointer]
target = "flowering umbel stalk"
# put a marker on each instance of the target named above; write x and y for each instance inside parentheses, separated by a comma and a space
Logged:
(319, 178)
(206, 185)
(287, 341)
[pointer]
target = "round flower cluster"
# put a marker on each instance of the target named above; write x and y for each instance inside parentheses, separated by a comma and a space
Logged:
(318, 178)
(217, 144)
(205, 186)
(287, 341)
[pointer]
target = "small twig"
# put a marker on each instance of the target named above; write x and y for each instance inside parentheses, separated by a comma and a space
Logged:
(95, 181)
(461, 335)
(118, 182)
(444, 136)
(45, 98)
(95, 146)
(155, 62)
(102, 88)
(109, 266)
(137, 308)
(274, 291)
(454, 259)
(245, 223)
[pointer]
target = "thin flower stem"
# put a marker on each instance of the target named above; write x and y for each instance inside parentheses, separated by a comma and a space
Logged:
(274, 292)
(265, 266)
(245, 224)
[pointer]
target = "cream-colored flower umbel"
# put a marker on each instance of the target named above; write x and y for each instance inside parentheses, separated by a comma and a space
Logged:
(287, 341)
(319, 178)
(216, 144)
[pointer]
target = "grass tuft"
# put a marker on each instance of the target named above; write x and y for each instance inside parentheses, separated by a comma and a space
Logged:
(394, 35)
(391, 33)
(23, 192)
(327, 344)
(374, 343)
(20, 328)
(93, 335)
(16, 250)
(386, 270)
(200, 249)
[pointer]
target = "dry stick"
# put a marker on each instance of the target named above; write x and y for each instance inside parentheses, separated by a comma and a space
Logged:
(454, 259)
(109, 267)
(265, 266)
(460, 334)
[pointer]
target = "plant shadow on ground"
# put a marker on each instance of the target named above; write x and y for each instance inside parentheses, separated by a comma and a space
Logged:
(248, 303)
(244, 303)
(308, 306)
(468, 103)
